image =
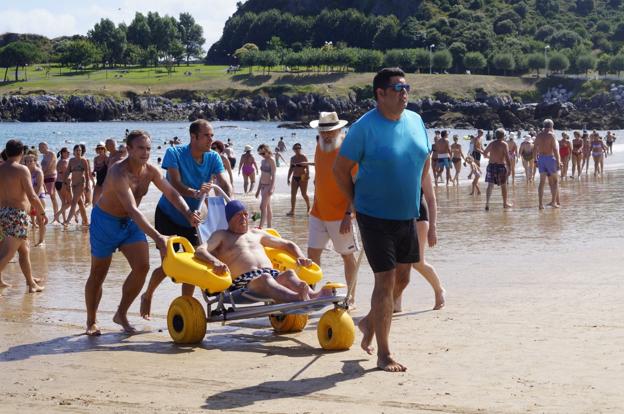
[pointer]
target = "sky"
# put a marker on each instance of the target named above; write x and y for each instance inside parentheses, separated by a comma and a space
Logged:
(68, 17)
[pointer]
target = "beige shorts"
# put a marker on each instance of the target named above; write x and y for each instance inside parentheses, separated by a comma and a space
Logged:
(321, 232)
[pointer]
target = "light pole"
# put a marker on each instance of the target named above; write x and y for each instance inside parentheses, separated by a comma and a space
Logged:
(106, 69)
(546, 60)
(431, 46)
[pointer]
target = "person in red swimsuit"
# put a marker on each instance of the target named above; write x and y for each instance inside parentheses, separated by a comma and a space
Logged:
(565, 149)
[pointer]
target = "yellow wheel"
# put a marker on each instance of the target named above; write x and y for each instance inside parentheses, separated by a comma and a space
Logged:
(288, 323)
(336, 330)
(186, 320)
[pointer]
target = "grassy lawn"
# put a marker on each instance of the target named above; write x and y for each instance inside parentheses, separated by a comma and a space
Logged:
(214, 82)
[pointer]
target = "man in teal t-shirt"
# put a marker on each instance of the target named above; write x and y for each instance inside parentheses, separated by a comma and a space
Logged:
(390, 146)
(190, 169)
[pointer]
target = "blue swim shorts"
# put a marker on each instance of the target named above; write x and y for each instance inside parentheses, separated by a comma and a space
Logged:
(547, 164)
(444, 163)
(107, 233)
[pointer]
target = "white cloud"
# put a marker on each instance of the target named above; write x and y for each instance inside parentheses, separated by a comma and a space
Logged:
(39, 21)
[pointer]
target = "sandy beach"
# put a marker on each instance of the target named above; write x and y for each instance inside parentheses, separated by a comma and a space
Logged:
(532, 324)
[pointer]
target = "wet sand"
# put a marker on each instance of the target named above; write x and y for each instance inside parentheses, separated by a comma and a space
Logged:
(532, 324)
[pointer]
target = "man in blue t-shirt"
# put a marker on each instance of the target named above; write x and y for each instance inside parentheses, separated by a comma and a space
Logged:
(190, 169)
(390, 146)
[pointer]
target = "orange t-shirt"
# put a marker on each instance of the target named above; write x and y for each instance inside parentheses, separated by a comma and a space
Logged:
(330, 203)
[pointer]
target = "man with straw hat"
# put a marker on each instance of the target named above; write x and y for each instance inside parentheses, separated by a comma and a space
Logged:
(331, 217)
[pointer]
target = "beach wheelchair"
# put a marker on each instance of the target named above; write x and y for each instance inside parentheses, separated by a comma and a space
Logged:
(187, 319)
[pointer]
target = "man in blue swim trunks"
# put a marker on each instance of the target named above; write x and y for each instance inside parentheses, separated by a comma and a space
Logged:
(190, 169)
(117, 223)
(390, 146)
(240, 251)
(548, 162)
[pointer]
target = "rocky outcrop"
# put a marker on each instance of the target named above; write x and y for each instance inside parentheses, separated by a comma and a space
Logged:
(603, 111)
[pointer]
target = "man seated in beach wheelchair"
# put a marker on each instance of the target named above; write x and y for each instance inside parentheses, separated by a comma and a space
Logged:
(268, 270)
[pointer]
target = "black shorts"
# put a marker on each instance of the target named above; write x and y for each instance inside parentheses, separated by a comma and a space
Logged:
(232, 162)
(167, 227)
(388, 242)
(58, 185)
(476, 155)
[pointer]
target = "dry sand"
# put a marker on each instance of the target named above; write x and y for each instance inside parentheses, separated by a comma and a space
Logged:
(533, 323)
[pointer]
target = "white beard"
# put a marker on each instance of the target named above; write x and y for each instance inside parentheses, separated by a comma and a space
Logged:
(332, 146)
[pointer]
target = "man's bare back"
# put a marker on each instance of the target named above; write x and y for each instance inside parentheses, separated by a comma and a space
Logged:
(14, 186)
(546, 143)
(498, 152)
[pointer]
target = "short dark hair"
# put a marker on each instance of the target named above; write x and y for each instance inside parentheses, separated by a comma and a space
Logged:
(296, 145)
(135, 134)
(14, 147)
(196, 125)
(220, 146)
(382, 78)
(444, 133)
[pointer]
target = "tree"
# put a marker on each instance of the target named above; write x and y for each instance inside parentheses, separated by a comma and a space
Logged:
(191, 36)
(442, 60)
(584, 7)
(474, 61)
(79, 53)
(139, 32)
(504, 62)
(558, 62)
(504, 27)
(565, 39)
(268, 59)
(368, 60)
(617, 64)
(585, 63)
(18, 54)
(536, 61)
(247, 47)
(387, 30)
(421, 59)
(249, 58)
(458, 50)
(401, 58)
(604, 64)
(618, 32)
(547, 8)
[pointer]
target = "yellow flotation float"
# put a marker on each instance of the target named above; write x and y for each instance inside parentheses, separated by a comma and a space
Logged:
(282, 260)
(183, 267)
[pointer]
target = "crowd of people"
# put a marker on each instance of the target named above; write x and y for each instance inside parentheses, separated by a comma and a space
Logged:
(351, 193)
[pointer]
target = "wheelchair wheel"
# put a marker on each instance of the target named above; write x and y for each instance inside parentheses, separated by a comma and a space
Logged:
(336, 330)
(186, 320)
(288, 323)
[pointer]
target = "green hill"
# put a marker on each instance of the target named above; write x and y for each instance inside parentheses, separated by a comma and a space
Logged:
(519, 28)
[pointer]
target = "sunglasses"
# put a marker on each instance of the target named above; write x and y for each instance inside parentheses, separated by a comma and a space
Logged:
(261, 153)
(297, 148)
(398, 87)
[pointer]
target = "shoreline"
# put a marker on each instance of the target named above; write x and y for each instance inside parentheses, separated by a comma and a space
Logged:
(484, 112)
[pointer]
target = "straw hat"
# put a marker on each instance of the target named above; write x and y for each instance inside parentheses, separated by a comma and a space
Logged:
(328, 121)
(100, 145)
(247, 148)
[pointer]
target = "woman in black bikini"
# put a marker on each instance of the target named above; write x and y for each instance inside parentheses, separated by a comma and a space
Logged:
(100, 168)
(300, 173)
(78, 171)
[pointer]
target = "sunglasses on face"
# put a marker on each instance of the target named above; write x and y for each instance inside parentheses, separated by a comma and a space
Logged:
(297, 148)
(398, 87)
(261, 153)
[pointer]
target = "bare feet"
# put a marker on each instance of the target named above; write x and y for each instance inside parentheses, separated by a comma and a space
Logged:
(123, 321)
(323, 293)
(487, 208)
(93, 330)
(553, 204)
(388, 364)
(290, 214)
(439, 300)
(541, 206)
(146, 306)
(34, 287)
(37, 279)
(507, 205)
(4, 284)
(367, 336)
